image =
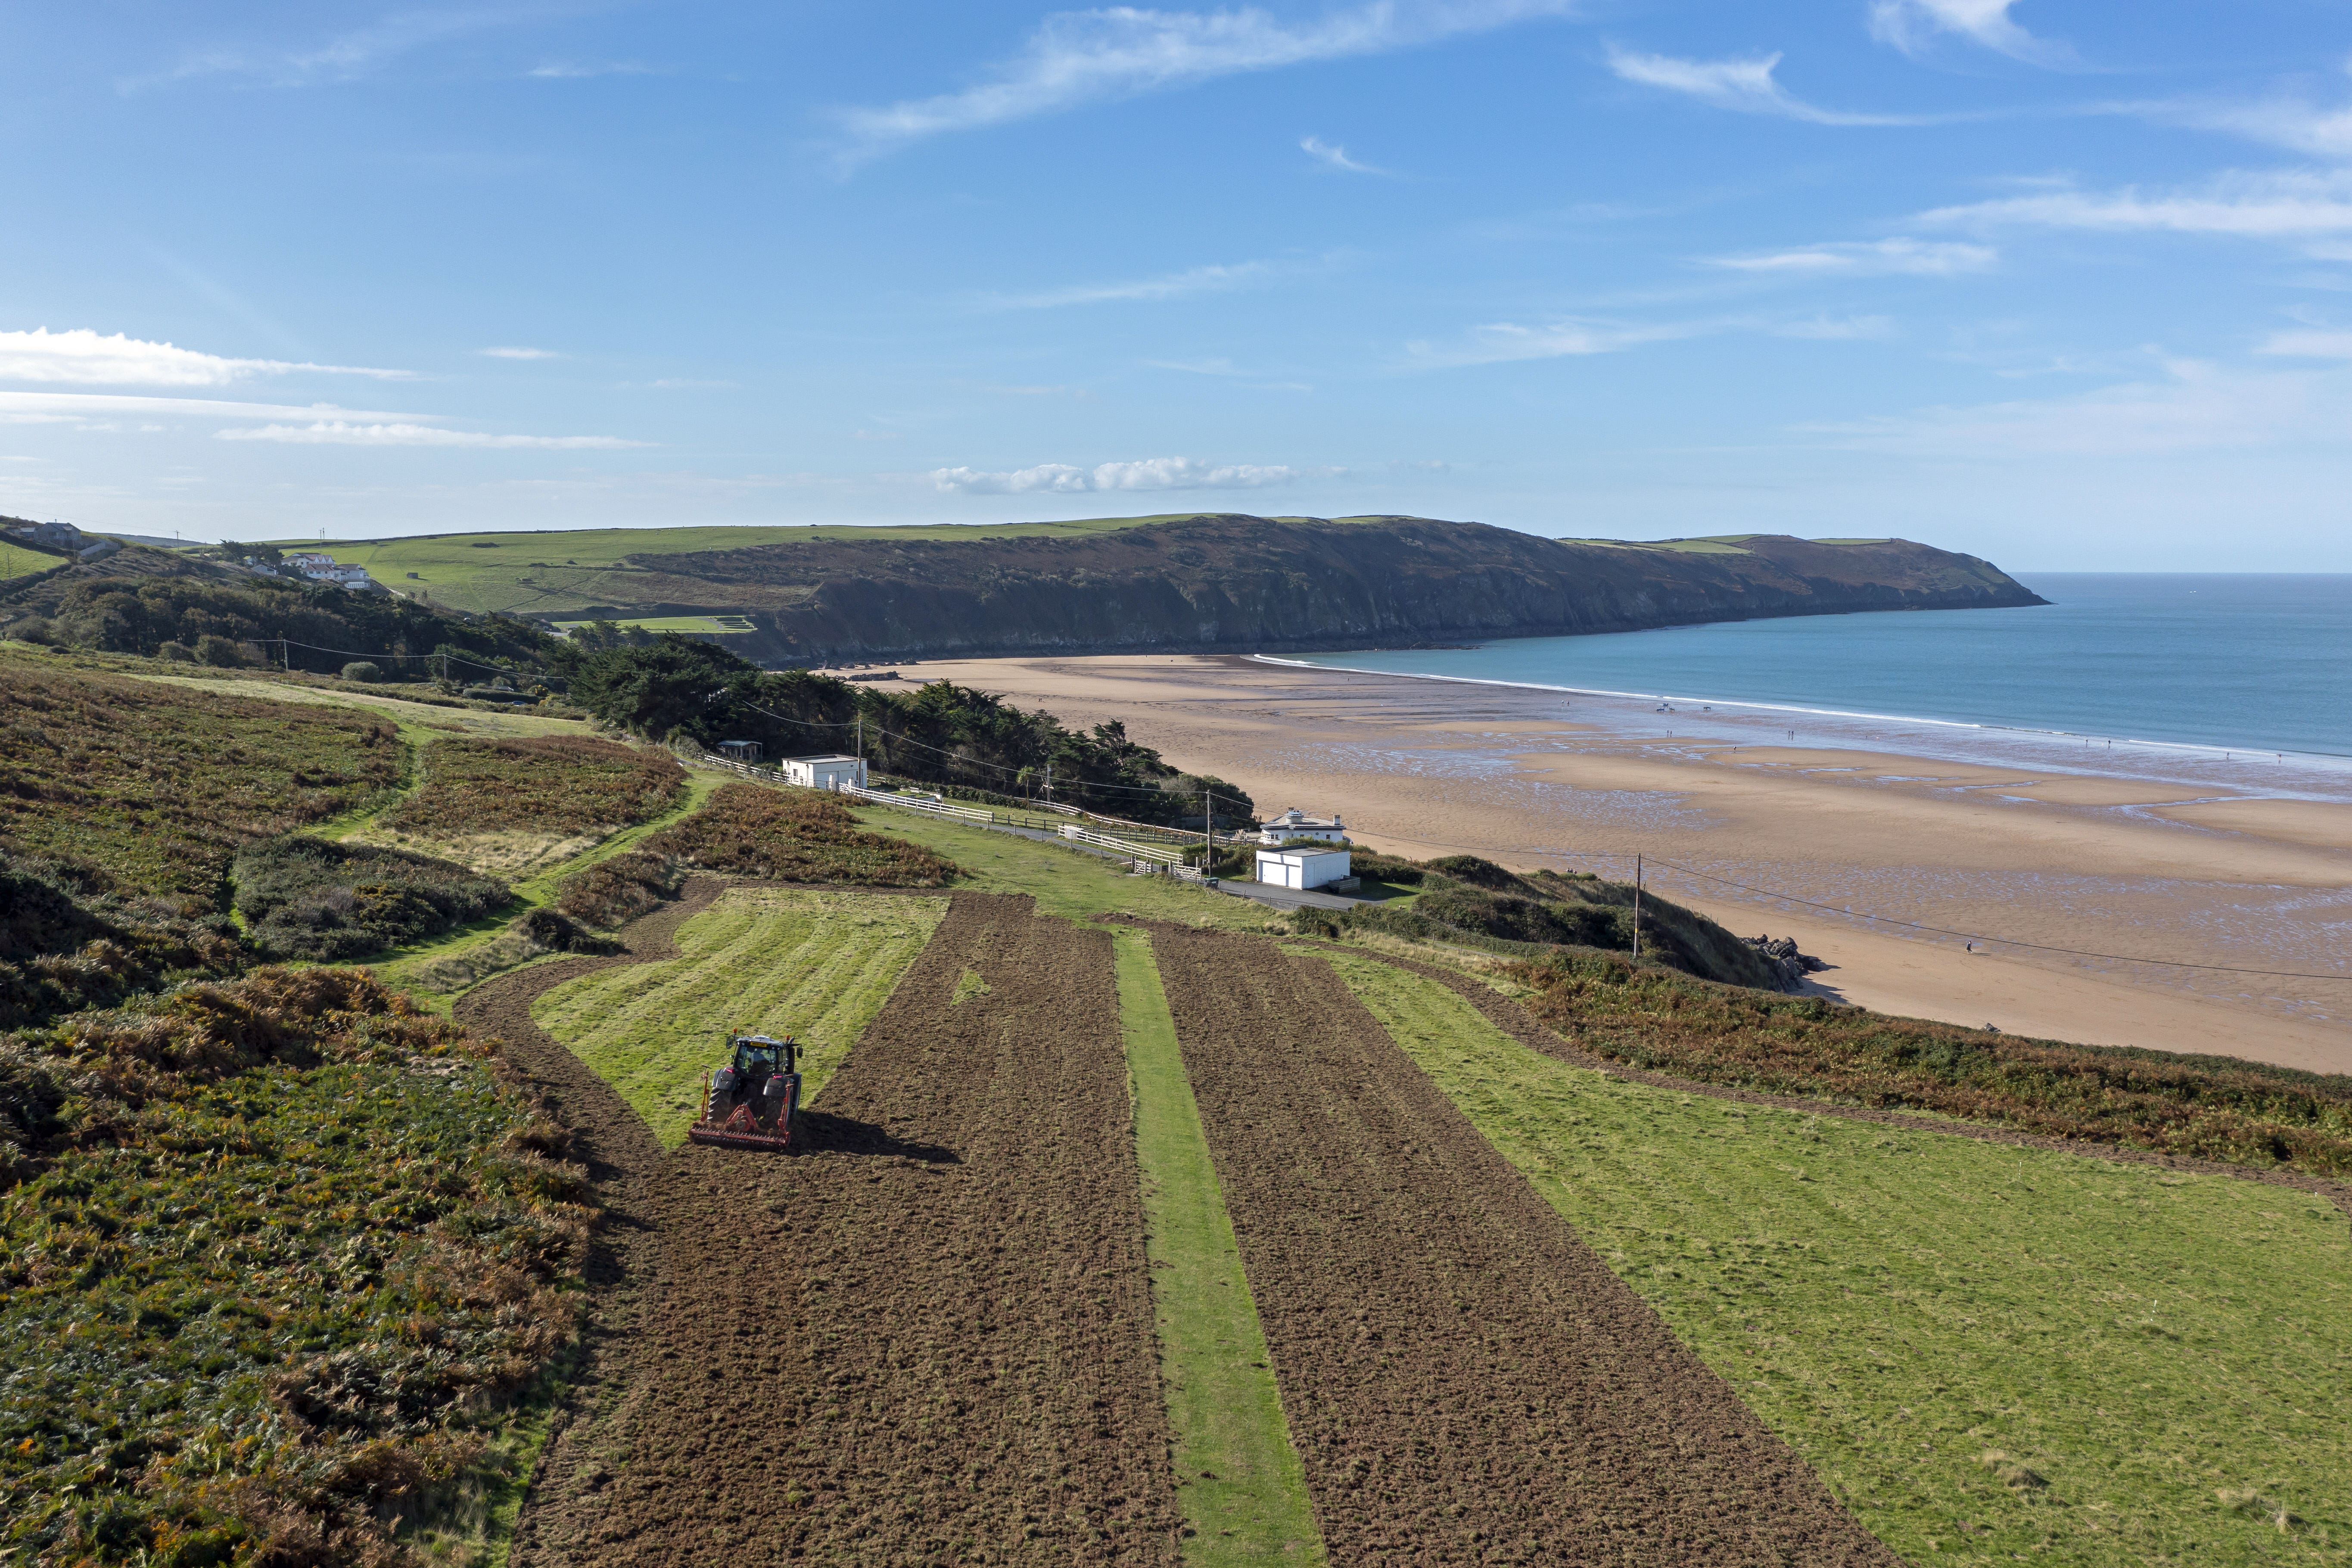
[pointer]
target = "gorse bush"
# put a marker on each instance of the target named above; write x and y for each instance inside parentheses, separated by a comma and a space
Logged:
(69, 941)
(363, 671)
(1463, 895)
(2210, 1108)
(307, 897)
(795, 835)
(556, 784)
(614, 892)
(265, 1271)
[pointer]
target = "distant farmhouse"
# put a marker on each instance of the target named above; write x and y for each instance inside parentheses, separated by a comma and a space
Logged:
(320, 568)
(64, 537)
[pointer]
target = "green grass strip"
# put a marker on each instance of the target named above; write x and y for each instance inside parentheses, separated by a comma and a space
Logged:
(1989, 1352)
(817, 964)
(1240, 1486)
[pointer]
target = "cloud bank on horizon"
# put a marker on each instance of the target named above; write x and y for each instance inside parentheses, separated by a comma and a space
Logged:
(1942, 267)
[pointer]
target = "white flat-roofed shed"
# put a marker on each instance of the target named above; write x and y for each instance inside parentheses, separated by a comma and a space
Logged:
(821, 773)
(1301, 869)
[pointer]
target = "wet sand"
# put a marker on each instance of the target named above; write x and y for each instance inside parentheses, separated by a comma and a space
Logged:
(2009, 840)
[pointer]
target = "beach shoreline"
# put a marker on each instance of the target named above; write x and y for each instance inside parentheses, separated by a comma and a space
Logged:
(1834, 829)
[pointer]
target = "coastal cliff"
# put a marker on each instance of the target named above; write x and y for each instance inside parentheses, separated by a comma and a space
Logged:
(1228, 583)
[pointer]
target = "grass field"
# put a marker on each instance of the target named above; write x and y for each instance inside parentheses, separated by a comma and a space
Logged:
(1067, 883)
(1987, 1352)
(563, 572)
(817, 964)
(1239, 1482)
(708, 626)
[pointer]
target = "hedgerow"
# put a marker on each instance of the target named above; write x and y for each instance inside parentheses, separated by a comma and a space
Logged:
(277, 1251)
(159, 785)
(309, 898)
(795, 835)
(555, 783)
(2211, 1108)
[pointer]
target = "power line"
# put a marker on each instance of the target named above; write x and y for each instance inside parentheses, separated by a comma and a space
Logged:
(1859, 914)
(354, 653)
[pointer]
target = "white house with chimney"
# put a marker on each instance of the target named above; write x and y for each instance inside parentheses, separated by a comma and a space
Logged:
(1296, 823)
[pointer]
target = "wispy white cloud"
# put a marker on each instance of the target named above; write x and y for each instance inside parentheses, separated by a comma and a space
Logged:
(2297, 206)
(519, 354)
(2287, 118)
(345, 433)
(1331, 155)
(1084, 57)
(1147, 474)
(85, 405)
(1167, 286)
(1745, 86)
(80, 357)
(2309, 342)
(342, 58)
(2194, 405)
(1914, 26)
(1502, 343)
(578, 70)
(1859, 258)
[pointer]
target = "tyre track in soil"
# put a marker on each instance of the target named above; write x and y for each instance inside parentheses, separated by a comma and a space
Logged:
(1524, 1027)
(926, 1340)
(1466, 1381)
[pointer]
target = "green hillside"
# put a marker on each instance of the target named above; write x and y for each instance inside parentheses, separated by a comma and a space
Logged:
(558, 571)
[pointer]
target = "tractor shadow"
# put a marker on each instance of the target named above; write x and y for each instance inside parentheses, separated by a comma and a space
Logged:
(821, 1133)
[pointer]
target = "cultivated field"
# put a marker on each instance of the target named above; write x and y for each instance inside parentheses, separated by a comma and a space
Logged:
(818, 965)
(1464, 1378)
(1984, 1350)
(927, 1339)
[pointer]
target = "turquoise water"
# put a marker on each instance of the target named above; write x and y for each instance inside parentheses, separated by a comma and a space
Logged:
(2245, 660)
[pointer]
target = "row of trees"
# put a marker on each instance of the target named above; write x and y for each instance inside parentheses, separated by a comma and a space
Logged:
(326, 626)
(676, 689)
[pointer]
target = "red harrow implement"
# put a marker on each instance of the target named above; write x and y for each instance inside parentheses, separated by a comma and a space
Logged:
(750, 1103)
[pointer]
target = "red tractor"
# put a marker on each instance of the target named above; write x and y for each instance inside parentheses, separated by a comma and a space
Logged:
(750, 1103)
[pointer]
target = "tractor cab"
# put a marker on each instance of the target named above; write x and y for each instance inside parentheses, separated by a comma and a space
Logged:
(749, 1103)
(757, 1055)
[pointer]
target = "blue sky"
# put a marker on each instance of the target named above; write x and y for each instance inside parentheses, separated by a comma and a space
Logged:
(2064, 285)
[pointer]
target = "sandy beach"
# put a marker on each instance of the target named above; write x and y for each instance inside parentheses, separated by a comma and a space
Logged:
(1770, 823)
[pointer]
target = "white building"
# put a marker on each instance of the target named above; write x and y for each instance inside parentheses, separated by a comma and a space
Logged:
(1303, 868)
(821, 773)
(1296, 823)
(339, 575)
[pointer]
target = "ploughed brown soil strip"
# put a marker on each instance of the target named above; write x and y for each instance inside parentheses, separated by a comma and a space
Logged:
(1466, 1381)
(927, 1339)
(1531, 1032)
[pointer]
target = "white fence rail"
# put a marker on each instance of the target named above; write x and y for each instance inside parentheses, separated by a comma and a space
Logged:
(1133, 851)
(910, 803)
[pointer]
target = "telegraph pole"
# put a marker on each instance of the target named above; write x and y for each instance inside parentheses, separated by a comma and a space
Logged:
(1208, 839)
(1637, 906)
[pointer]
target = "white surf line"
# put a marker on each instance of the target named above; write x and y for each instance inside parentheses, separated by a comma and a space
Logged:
(2225, 752)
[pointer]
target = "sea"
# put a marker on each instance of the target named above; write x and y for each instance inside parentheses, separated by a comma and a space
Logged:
(2192, 664)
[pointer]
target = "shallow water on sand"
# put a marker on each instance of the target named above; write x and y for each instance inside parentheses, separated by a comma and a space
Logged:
(2227, 661)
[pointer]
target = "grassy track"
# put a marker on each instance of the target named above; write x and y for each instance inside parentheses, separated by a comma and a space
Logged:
(819, 964)
(1239, 1482)
(1067, 883)
(1987, 1351)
